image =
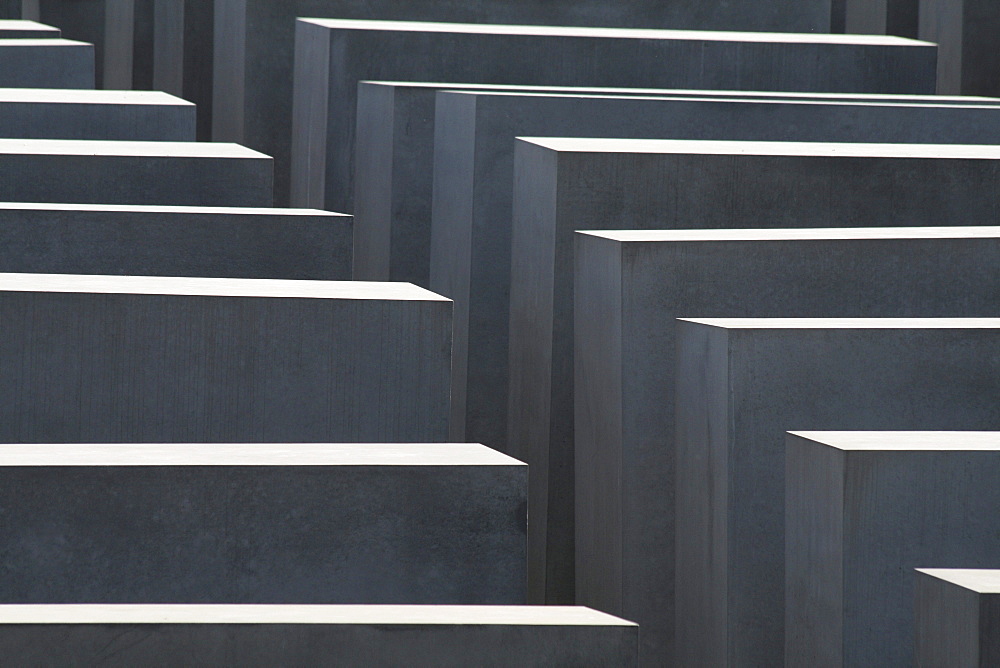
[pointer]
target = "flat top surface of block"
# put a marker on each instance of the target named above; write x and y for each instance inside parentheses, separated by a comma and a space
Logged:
(19, 24)
(462, 615)
(620, 33)
(72, 96)
(214, 287)
(168, 149)
(255, 454)
(30, 42)
(982, 581)
(847, 323)
(904, 441)
(765, 148)
(155, 208)
(808, 234)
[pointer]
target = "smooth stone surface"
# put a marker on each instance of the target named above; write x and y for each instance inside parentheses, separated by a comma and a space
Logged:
(741, 383)
(182, 54)
(355, 635)
(630, 288)
(148, 359)
(857, 525)
(175, 241)
(28, 113)
(17, 28)
(562, 185)
(134, 172)
(332, 56)
(882, 17)
(46, 63)
(362, 523)
(966, 30)
(958, 617)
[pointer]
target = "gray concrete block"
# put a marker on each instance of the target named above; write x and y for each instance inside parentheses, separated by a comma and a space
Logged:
(630, 288)
(132, 172)
(740, 385)
(857, 525)
(46, 63)
(357, 636)
(148, 359)
(957, 617)
(175, 241)
(332, 56)
(966, 31)
(17, 28)
(182, 53)
(37, 113)
(882, 17)
(245, 523)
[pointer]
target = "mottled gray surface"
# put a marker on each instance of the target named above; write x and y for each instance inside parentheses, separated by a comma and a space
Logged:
(740, 386)
(105, 115)
(957, 620)
(859, 520)
(333, 56)
(46, 63)
(630, 288)
(882, 17)
(11, 29)
(182, 54)
(969, 60)
(267, 364)
(175, 241)
(178, 173)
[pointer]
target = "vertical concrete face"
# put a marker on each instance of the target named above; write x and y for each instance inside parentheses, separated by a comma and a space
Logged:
(120, 172)
(740, 385)
(356, 636)
(244, 523)
(82, 20)
(334, 55)
(882, 17)
(630, 286)
(46, 63)
(222, 360)
(182, 49)
(957, 617)
(175, 241)
(857, 510)
(969, 62)
(92, 114)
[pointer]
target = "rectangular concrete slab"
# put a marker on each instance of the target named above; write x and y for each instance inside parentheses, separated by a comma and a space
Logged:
(134, 172)
(175, 241)
(346, 635)
(182, 54)
(966, 31)
(957, 615)
(19, 28)
(150, 359)
(262, 523)
(630, 288)
(857, 514)
(334, 55)
(46, 63)
(38, 113)
(741, 383)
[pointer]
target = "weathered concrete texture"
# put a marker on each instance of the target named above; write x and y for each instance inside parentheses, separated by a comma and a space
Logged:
(10, 9)
(37, 113)
(143, 359)
(562, 185)
(332, 56)
(244, 523)
(969, 61)
(958, 617)
(882, 17)
(740, 385)
(255, 44)
(630, 288)
(182, 56)
(13, 29)
(46, 63)
(175, 241)
(132, 172)
(857, 508)
(352, 636)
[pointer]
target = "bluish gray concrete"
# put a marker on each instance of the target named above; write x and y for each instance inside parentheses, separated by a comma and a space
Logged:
(882, 17)
(262, 523)
(630, 286)
(46, 63)
(863, 510)
(356, 636)
(740, 385)
(966, 30)
(332, 56)
(175, 241)
(17, 28)
(146, 359)
(958, 618)
(133, 172)
(182, 54)
(37, 113)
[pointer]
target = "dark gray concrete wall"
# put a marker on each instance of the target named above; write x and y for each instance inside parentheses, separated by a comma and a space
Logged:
(882, 17)
(82, 20)
(46, 63)
(182, 54)
(966, 30)
(957, 618)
